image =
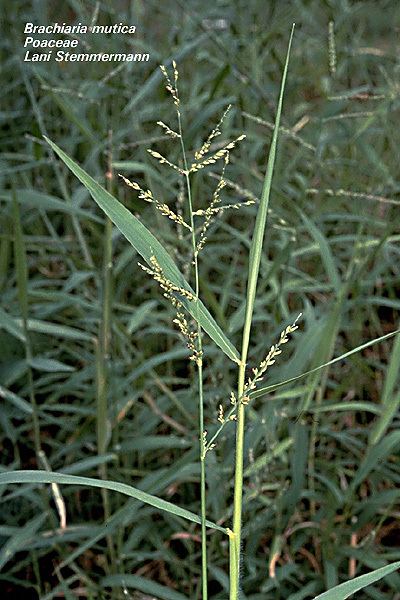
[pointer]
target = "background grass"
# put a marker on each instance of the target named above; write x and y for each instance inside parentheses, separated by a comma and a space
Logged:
(322, 470)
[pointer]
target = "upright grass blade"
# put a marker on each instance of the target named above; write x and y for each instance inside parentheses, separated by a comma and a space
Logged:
(147, 245)
(21, 267)
(390, 398)
(102, 358)
(375, 455)
(254, 266)
(344, 590)
(122, 488)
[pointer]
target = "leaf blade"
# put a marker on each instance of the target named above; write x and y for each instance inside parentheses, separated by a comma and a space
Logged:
(261, 219)
(18, 541)
(128, 490)
(147, 245)
(346, 589)
(142, 584)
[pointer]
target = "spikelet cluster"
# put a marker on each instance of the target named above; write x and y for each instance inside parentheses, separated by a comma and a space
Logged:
(196, 166)
(269, 360)
(201, 212)
(332, 48)
(170, 132)
(210, 211)
(180, 199)
(215, 133)
(230, 416)
(172, 88)
(191, 337)
(205, 445)
(164, 209)
(170, 289)
(252, 199)
(164, 161)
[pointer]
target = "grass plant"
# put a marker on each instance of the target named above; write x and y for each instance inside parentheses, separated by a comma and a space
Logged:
(169, 464)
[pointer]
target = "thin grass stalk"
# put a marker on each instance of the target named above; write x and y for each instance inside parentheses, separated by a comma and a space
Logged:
(103, 354)
(5, 248)
(254, 266)
(233, 562)
(21, 268)
(199, 363)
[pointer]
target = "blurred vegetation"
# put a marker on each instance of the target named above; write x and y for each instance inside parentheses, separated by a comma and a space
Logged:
(322, 469)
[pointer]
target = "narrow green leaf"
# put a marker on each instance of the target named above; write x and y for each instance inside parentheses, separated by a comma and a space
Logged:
(18, 541)
(270, 388)
(147, 245)
(261, 219)
(390, 401)
(141, 584)
(375, 455)
(154, 442)
(62, 331)
(40, 200)
(21, 265)
(89, 463)
(344, 590)
(298, 466)
(15, 400)
(357, 405)
(264, 460)
(325, 250)
(139, 316)
(11, 325)
(49, 365)
(122, 488)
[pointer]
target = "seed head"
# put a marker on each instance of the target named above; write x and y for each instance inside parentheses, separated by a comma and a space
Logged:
(215, 132)
(269, 360)
(166, 284)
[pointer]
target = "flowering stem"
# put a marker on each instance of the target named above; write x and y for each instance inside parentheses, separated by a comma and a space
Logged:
(199, 363)
(254, 266)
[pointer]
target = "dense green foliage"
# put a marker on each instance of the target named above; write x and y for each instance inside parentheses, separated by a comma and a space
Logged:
(94, 376)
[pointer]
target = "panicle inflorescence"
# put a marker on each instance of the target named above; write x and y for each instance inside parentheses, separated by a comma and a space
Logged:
(170, 132)
(191, 337)
(171, 291)
(222, 418)
(206, 445)
(164, 209)
(172, 88)
(164, 161)
(332, 48)
(166, 284)
(210, 211)
(196, 166)
(269, 360)
(251, 383)
(180, 199)
(201, 212)
(251, 198)
(215, 133)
